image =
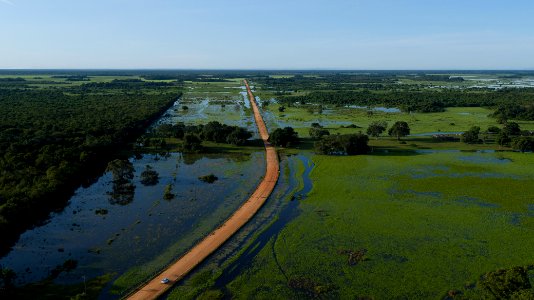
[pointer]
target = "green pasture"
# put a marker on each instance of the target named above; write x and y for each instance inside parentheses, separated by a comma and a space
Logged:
(454, 119)
(429, 223)
(228, 90)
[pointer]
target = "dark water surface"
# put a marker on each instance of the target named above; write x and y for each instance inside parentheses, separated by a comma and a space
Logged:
(128, 235)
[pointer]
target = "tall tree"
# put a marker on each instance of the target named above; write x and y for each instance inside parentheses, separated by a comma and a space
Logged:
(123, 188)
(399, 129)
(376, 128)
(511, 129)
(191, 143)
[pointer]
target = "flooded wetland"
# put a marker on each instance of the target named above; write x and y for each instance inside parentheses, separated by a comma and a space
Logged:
(415, 217)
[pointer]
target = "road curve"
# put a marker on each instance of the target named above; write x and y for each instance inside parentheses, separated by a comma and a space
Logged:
(181, 267)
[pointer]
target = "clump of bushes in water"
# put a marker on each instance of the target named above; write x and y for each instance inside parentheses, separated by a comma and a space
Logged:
(68, 265)
(149, 176)
(101, 211)
(346, 144)
(123, 188)
(208, 178)
(167, 194)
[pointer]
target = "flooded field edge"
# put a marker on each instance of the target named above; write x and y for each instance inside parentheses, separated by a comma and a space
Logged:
(282, 207)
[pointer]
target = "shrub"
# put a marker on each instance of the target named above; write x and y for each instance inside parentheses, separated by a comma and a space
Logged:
(149, 176)
(208, 178)
(348, 144)
(283, 137)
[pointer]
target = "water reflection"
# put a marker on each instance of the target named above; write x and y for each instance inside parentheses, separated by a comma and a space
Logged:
(105, 237)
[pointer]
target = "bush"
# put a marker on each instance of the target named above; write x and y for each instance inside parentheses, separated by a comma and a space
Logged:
(317, 131)
(348, 144)
(208, 178)
(375, 129)
(503, 139)
(506, 284)
(511, 129)
(167, 194)
(494, 129)
(149, 176)
(191, 143)
(283, 137)
(471, 136)
(523, 144)
(238, 136)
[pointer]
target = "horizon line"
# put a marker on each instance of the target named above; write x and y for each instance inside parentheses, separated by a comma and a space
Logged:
(262, 69)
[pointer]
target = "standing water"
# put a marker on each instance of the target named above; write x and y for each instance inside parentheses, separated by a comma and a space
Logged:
(104, 237)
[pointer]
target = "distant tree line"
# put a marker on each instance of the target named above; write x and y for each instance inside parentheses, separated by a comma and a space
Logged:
(123, 84)
(12, 79)
(72, 77)
(185, 77)
(442, 78)
(416, 101)
(326, 81)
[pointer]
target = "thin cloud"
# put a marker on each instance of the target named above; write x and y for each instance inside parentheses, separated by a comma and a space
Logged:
(7, 2)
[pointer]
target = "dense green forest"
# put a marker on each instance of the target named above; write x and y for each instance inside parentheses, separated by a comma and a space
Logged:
(52, 141)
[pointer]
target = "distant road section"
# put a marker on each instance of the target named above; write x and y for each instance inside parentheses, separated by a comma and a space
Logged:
(175, 272)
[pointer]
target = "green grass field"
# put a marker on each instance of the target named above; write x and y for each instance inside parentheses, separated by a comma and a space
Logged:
(454, 119)
(430, 223)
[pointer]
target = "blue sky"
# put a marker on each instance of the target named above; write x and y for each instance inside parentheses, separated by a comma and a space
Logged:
(260, 34)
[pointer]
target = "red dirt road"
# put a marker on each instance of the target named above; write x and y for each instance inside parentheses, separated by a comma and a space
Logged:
(175, 272)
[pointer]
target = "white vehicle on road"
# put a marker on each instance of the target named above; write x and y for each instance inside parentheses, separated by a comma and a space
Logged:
(165, 280)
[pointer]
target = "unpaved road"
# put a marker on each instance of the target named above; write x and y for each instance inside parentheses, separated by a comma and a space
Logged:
(175, 272)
